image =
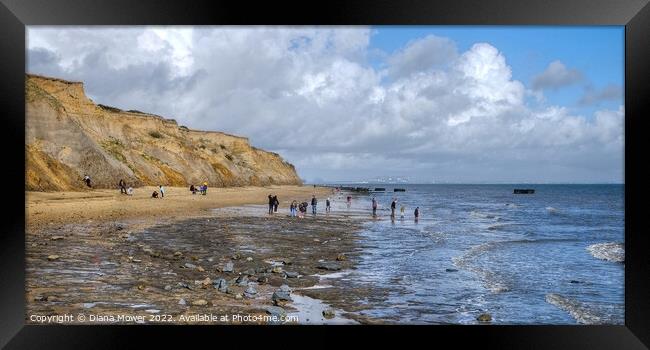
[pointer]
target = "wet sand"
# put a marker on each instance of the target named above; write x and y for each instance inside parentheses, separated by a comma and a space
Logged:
(101, 253)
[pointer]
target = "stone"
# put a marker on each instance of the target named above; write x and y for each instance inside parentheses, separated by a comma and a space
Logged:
(56, 238)
(330, 266)
(199, 302)
(189, 265)
(236, 256)
(328, 313)
(250, 292)
(141, 286)
(286, 261)
(341, 257)
(229, 267)
(168, 287)
(221, 285)
(182, 302)
(279, 297)
(484, 317)
(263, 279)
(238, 296)
(285, 288)
(40, 298)
(200, 269)
(276, 311)
(177, 254)
(451, 270)
(250, 272)
(291, 274)
(242, 280)
(249, 259)
(184, 285)
(53, 257)
(276, 269)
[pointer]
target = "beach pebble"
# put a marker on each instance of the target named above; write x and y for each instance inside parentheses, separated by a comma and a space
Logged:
(328, 313)
(280, 297)
(236, 256)
(330, 266)
(285, 288)
(184, 285)
(177, 254)
(221, 285)
(229, 267)
(200, 269)
(199, 302)
(263, 279)
(238, 296)
(52, 257)
(56, 238)
(249, 259)
(168, 287)
(182, 302)
(484, 318)
(189, 265)
(242, 280)
(451, 270)
(341, 257)
(276, 269)
(250, 292)
(276, 311)
(291, 274)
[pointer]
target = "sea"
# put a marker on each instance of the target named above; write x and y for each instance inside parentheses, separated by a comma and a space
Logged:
(552, 257)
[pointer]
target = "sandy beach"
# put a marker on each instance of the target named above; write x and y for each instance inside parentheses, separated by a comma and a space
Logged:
(46, 208)
(170, 260)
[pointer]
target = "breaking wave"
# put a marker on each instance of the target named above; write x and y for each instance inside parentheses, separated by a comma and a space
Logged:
(610, 251)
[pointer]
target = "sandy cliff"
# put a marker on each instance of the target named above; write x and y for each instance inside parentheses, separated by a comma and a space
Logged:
(68, 135)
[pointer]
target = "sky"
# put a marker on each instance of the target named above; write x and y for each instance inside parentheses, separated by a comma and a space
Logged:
(431, 104)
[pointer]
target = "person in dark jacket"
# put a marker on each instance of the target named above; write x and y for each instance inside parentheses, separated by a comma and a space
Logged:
(122, 186)
(417, 213)
(314, 202)
(393, 206)
(276, 202)
(271, 203)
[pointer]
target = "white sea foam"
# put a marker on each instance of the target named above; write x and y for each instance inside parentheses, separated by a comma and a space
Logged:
(608, 251)
(579, 311)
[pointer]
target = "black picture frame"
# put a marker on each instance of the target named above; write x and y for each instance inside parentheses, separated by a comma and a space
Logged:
(633, 14)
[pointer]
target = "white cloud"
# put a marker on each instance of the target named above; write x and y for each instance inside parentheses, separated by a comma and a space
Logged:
(310, 94)
(555, 76)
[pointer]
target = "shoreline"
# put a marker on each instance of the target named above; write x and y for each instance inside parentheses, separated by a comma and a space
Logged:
(101, 250)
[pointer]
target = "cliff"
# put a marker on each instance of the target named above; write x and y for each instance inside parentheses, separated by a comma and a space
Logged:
(68, 135)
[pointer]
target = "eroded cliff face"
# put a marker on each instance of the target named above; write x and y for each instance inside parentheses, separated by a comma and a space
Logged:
(68, 135)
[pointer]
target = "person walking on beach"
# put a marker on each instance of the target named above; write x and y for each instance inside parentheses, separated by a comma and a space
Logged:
(154, 194)
(349, 199)
(87, 180)
(374, 206)
(393, 206)
(292, 208)
(205, 188)
(192, 189)
(162, 191)
(276, 202)
(314, 202)
(417, 213)
(327, 205)
(122, 186)
(271, 202)
(401, 210)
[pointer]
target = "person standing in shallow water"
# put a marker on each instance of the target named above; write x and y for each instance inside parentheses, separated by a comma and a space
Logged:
(276, 202)
(314, 202)
(416, 213)
(327, 205)
(292, 208)
(401, 210)
(349, 201)
(374, 206)
(393, 206)
(271, 202)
